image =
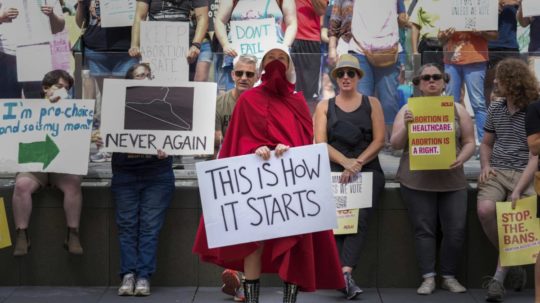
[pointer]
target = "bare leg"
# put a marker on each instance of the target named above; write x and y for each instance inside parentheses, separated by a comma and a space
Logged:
(201, 71)
(488, 218)
(252, 264)
(70, 185)
(22, 200)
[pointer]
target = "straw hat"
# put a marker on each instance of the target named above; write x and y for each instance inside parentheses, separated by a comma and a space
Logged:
(349, 61)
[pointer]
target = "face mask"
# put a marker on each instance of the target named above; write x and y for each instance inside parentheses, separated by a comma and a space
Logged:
(62, 93)
(275, 78)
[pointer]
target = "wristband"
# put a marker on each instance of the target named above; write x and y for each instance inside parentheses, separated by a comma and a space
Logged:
(196, 44)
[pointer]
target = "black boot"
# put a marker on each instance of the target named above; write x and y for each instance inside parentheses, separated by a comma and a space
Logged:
(251, 290)
(22, 243)
(289, 292)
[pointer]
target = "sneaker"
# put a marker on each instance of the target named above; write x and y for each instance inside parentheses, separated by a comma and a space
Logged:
(239, 296)
(351, 289)
(142, 287)
(427, 287)
(100, 157)
(128, 283)
(453, 285)
(516, 278)
(495, 290)
(231, 282)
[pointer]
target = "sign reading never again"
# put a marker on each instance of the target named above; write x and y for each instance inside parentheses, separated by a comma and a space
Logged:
(247, 199)
(144, 116)
(37, 135)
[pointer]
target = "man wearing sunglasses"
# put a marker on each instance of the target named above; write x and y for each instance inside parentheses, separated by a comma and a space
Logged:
(244, 75)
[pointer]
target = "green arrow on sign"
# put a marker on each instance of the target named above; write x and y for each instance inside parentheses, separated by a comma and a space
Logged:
(41, 152)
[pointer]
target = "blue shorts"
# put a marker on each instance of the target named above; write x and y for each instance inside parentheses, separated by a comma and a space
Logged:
(206, 52)
(107, 64)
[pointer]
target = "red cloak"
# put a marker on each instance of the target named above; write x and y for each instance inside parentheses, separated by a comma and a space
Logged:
(270, 114)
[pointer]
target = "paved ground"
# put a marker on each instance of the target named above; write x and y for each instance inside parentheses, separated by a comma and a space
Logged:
(25, 294)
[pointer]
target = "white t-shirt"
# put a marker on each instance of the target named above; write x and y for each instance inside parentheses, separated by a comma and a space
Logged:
(374, 26)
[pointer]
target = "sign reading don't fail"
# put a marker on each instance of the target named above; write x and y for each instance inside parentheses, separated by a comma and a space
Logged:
(247, 199)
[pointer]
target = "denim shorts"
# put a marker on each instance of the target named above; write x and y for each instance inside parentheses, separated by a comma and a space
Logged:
(206, 52)
(107, 64)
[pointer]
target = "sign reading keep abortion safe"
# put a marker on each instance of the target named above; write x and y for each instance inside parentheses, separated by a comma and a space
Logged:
(253, 37)
(39, 136)
(247, 199)
(165, 46)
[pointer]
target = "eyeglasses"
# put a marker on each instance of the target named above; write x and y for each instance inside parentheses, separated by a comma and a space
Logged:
(143, 76)
(240, 73)
(435, 77)
(350, 73)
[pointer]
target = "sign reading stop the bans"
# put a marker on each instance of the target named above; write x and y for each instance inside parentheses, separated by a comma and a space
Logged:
(247, 199)
(39, 136)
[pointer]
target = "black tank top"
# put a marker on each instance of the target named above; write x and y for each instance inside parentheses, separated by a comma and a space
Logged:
(351, 133)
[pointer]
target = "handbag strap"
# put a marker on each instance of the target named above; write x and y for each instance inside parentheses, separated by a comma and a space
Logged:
(411, 7)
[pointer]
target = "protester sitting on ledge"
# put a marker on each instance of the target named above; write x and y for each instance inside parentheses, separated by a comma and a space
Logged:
(272, 116)
(507, 165)
(353, 126)
(55, 86)
(435, 194)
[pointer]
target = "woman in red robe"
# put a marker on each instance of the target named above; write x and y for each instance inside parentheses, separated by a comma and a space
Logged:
(272, 116)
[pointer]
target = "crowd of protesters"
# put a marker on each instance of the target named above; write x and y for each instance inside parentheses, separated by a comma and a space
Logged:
(347, 59)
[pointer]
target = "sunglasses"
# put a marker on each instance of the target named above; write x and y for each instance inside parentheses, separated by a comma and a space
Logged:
(341, 73)
(240, 73)
(435, 77)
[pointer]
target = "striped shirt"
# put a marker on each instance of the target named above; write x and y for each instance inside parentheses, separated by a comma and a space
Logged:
(510, 150)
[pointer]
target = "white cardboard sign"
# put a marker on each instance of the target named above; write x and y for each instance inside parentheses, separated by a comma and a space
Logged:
(165, 46)
(33, 62)
(530, 8)
(356, 194)
(33, 27)
(247, 199)
(253, 37)
(144, 116)
(117, 13)
(469, 15)
(39, 136)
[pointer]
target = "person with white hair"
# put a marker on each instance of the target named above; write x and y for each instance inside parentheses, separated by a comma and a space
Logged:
(272, 116)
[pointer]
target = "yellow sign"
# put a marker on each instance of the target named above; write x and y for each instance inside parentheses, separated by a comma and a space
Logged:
(519, 232)
(347, 222)
(432, 139)
(5, 240)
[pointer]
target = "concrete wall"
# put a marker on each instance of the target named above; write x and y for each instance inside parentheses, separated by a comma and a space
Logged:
(388, 259)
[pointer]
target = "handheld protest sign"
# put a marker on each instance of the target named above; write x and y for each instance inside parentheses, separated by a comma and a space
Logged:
(247, 199)
(356, 194)
(467, 15)
(141, 116)
(519, 232)
(117, 13)
(347, 221)
(530, 8)
(165, 45)
(432, 134)
(5, 240)
(253, 36)
(39, 136)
